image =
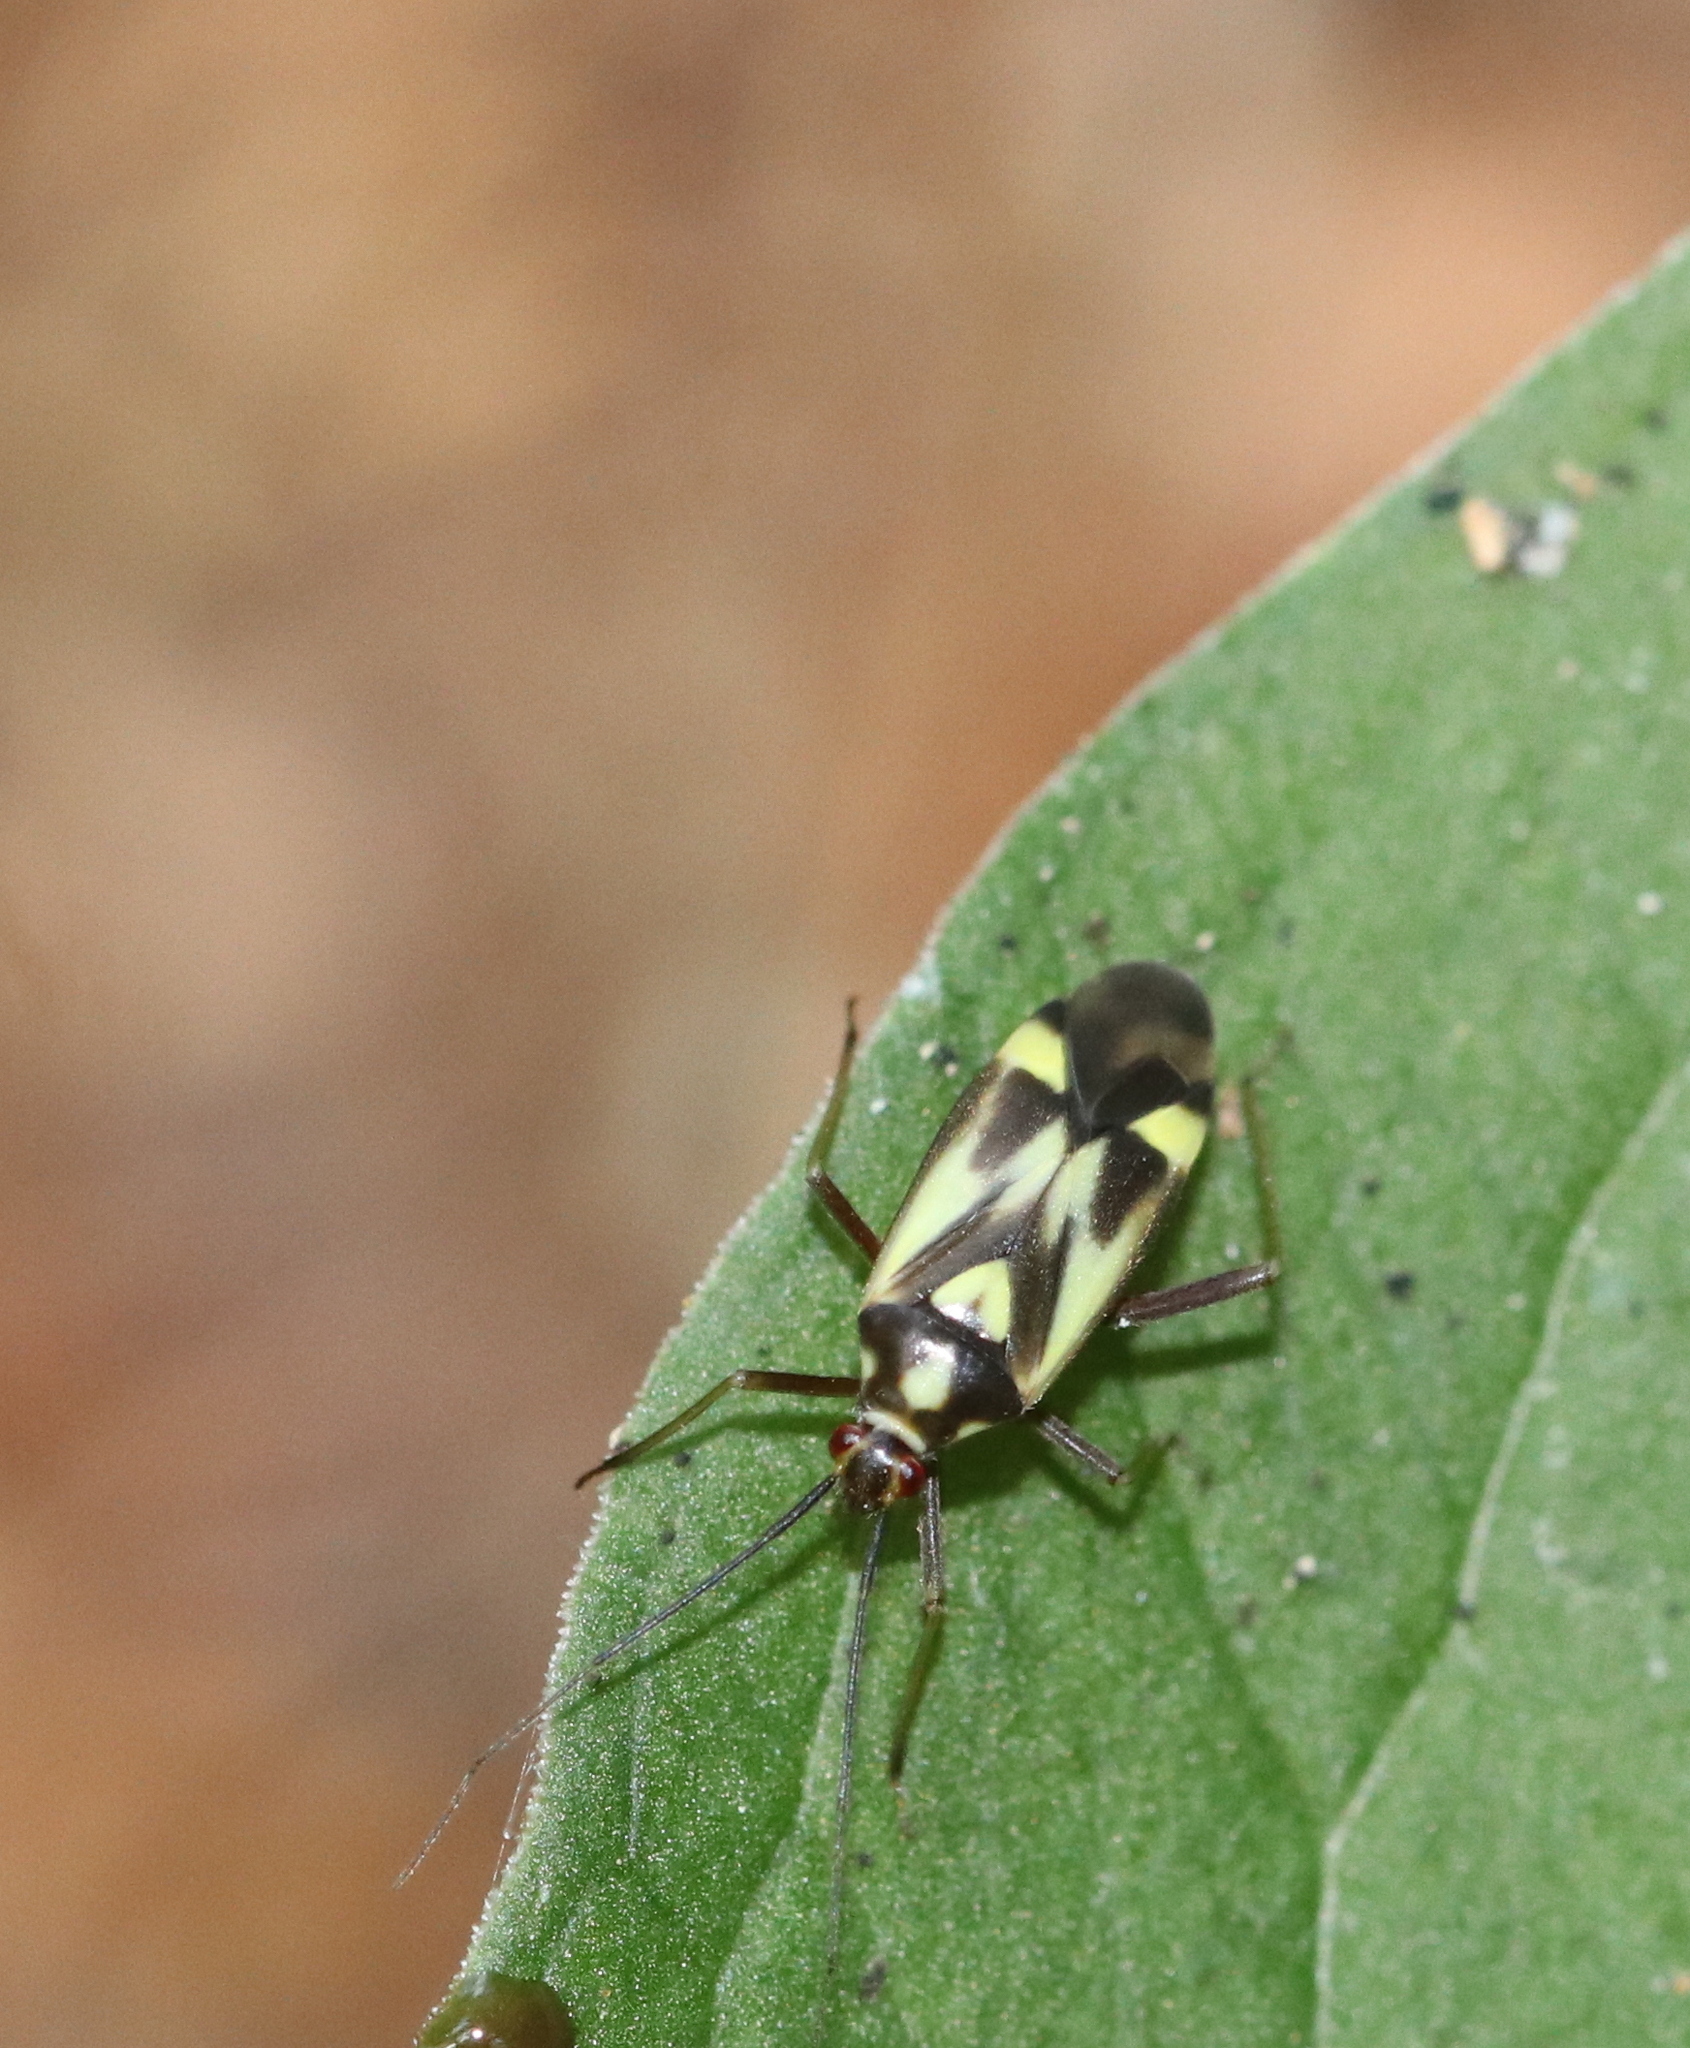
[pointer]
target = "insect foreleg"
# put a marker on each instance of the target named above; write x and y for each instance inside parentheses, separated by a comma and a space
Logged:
(822, 1183)
(932, 1530)
(747, 1381)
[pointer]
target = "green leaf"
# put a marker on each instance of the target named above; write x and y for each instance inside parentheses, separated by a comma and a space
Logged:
(1425, 832)
(1533, 1800)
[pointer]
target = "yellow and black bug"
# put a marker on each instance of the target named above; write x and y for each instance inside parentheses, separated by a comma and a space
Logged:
(1018, 1237)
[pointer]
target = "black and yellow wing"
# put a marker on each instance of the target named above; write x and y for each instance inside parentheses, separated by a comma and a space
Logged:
(1039, 1194)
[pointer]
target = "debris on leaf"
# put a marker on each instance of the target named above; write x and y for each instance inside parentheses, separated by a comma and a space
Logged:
(1489, 534)
(1571, 476)
(1530, 543)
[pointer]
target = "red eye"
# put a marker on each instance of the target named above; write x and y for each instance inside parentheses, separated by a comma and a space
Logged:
(912, 1474)
(845, 1440)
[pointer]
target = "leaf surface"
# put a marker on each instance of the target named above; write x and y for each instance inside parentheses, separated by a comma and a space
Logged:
(1215, 1763)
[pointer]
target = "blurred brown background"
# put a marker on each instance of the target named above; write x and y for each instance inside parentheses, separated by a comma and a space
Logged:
(538, 544)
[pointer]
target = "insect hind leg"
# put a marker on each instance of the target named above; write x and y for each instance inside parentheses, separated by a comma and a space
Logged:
(1163, 1302)
(822, 1183)
(1261, 1153)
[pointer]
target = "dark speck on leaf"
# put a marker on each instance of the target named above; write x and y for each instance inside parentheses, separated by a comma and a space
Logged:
(1445, 498)
(1286, 933)
(1655, 419)
(873, 1981)
(1371, 1187)
(683, 1458)
(1318, 1482)
(865, 1859)
(1096, 931)
(665, 1535)
(1464, 1610)
(1399, 1286)
(1007, 942)
(1621, 475)
(1245, 1614)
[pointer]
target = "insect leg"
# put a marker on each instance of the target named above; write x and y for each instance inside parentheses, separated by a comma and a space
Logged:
(833, 1197)
(932, 1626)
(1055, 1431)
(1261, 1156)
(1067, 1438)
(748, 1381)
(1175, 1301)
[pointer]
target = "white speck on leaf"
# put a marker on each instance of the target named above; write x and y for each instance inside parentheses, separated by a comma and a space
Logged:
(1545, 1549)
(1544, 549)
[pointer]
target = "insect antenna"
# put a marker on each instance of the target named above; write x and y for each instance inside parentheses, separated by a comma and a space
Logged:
(519, 1801)
(847, 1746)
(530, 1721)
